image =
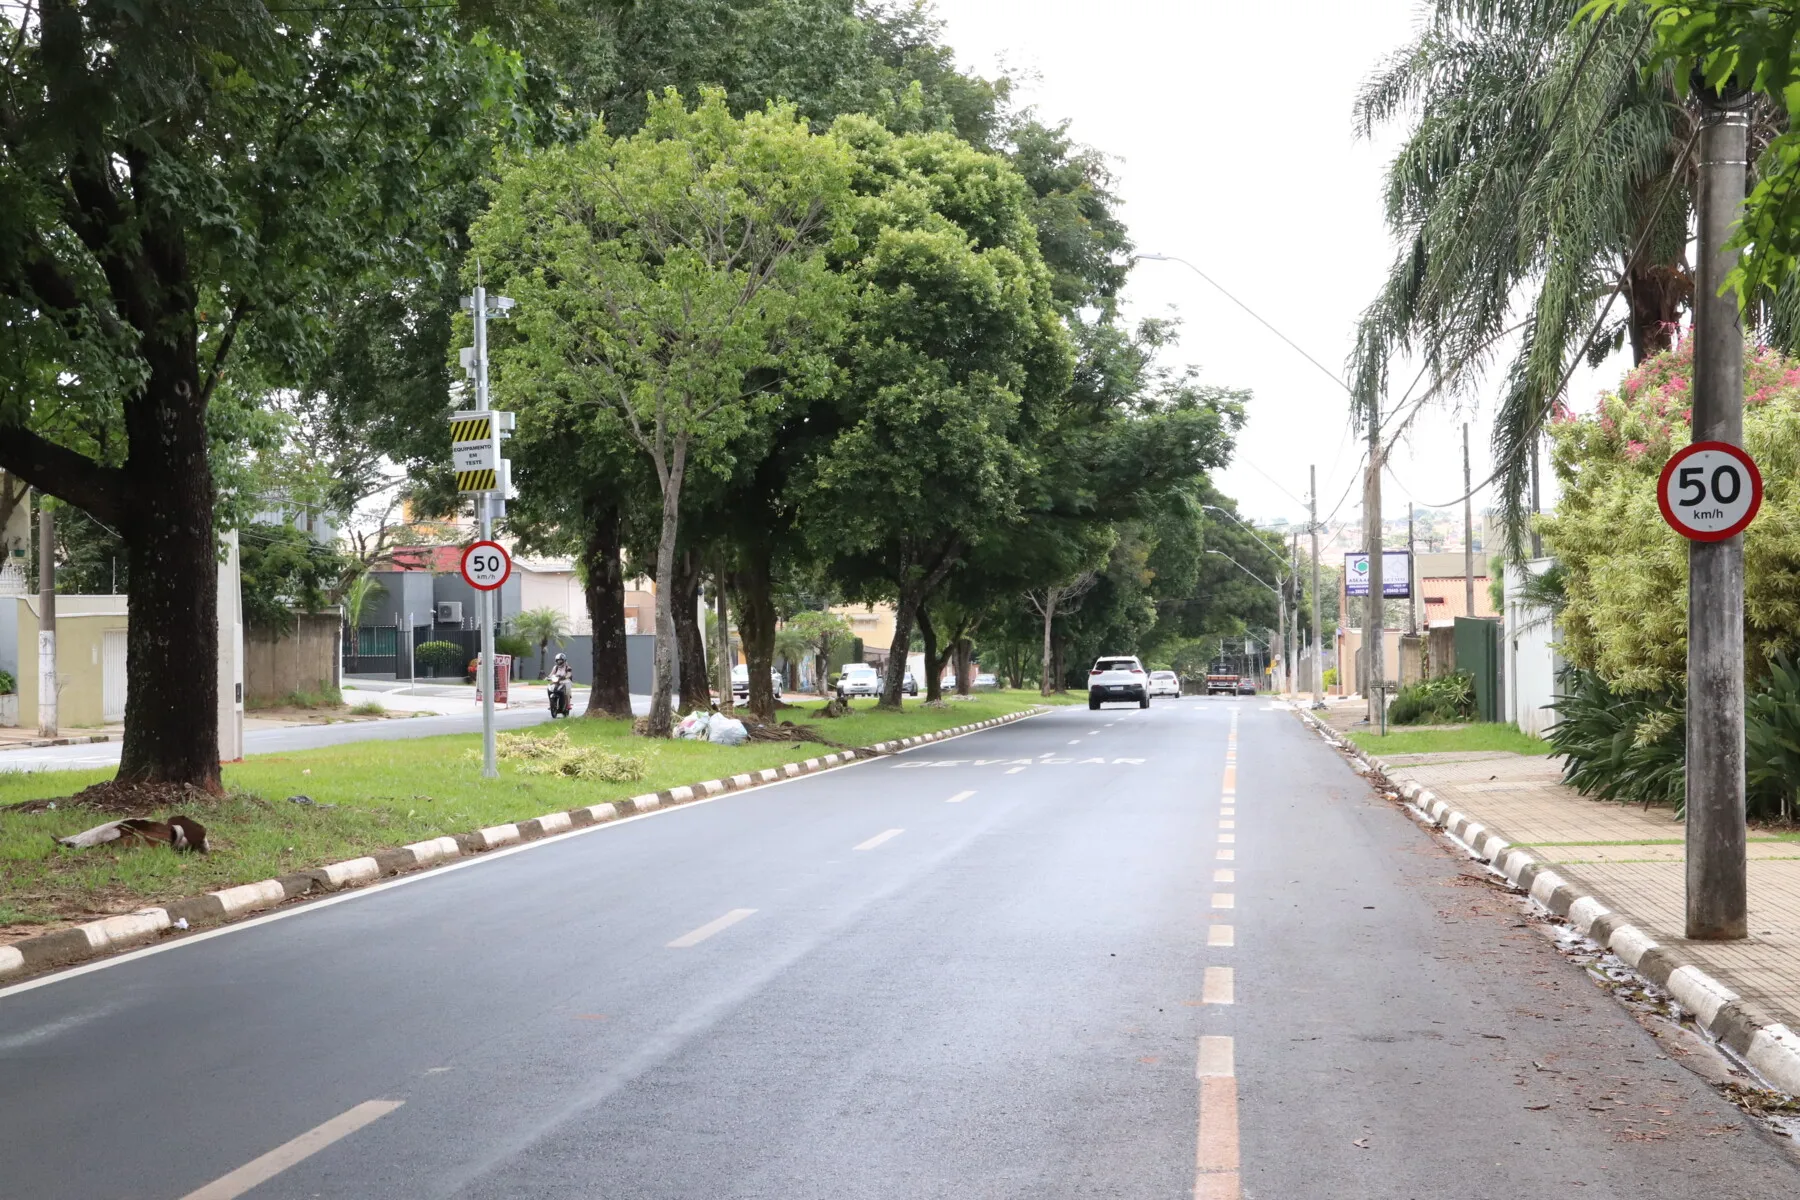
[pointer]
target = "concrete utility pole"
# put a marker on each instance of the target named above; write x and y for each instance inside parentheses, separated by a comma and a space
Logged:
(46, 620)
(1373, 602)
(1717, 883)
(1412, 581)
(1468, 533)
(490, 764)
(1318, 671)
(1293, 630)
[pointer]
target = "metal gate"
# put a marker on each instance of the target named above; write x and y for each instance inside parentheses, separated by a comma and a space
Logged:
(112, 676)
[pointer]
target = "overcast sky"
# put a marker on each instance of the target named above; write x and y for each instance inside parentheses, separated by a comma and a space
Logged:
(1234, 149)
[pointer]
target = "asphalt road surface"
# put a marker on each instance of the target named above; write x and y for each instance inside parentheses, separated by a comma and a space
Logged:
(1174, 952)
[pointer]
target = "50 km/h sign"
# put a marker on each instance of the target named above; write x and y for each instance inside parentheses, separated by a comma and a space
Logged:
(1709, 491)
(486, 565)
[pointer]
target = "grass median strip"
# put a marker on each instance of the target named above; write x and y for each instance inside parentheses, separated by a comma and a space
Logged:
(362, 797)
(1478, 736)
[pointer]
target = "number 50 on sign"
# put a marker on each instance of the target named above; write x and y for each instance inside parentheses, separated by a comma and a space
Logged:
(485, 565)
(1710, 491)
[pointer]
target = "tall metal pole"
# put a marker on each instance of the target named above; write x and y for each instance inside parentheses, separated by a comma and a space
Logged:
(1373, 603)
(1318, 671)
(1293, 631)
(1717, 883)
(1468, 533)
(1412, 576)
(490, 766)
(47, 720)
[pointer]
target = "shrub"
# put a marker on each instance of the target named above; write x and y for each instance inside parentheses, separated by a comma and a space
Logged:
(1621, 745)
(8, 685)
(552, 754)
(1441, 701)
(1772, 743)
(517, 645)
(439, 656)
(1331, 677)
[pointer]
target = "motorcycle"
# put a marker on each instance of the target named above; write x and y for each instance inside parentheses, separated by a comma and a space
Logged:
(559, 699)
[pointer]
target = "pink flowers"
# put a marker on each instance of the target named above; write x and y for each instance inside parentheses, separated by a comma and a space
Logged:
(1634, 450)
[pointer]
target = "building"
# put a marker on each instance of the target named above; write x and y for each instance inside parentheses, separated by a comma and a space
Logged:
(874, 624)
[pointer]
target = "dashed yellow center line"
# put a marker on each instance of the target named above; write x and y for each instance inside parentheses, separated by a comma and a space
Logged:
(1226, 855)
(1217, 986)
(1224, 875)
(1216, 1147)
(1221, 935)
(1224, 900)
(1226, 839)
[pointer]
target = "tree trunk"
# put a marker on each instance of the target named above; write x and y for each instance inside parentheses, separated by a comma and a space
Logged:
(1049, 611)
(1657, 293)
(667, 629)
(1062, 678)
(611, 694)
(906, 612)
(722, 614)
(172, 643)
(933, 664)
(965, 652)
(756, 628)
(696, 689)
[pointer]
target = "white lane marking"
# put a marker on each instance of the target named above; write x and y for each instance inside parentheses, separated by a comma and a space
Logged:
(1224, 875)
(1226, 839)
(1226, 855)
(1228, 811)
(1074, 741)
(1216, 1057)
(1228, 823)
(1218, 986)
(1221, 935)
(959, 797)
(1093, 733)
(260, 1170)
(1014, 770)
(1224, 900)
(878, 839)
(711, 927)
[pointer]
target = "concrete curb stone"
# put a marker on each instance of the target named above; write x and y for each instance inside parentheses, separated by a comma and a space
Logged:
(95, 939)
(1770, 1047)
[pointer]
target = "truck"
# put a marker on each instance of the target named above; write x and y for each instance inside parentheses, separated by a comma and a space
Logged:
(1220, 682)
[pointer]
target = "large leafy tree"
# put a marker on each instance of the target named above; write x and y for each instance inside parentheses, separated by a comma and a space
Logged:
(184, 188)
(954, 360)
(664, 276)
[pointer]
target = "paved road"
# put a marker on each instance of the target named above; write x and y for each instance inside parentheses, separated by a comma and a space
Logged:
(297, 737)
(1054, 959)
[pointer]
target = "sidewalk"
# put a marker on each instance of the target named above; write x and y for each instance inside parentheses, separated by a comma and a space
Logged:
(1629, 859)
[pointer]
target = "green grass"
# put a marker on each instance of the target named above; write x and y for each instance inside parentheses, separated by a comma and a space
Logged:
(386, 794)
(1479, 736)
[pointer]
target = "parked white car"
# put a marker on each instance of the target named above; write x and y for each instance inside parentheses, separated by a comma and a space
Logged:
(858, 679)
(740, 682)
(1165, 683)
(1117, 678)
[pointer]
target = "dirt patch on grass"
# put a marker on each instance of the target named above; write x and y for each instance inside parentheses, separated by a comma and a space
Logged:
(787, 731)
(124, 799)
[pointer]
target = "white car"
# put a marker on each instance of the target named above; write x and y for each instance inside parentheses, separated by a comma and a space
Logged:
(858, 679)
(740, 682)
(1164, 683)
(1118, 678)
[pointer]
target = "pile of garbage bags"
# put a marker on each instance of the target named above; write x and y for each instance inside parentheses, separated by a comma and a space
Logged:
(712, 727)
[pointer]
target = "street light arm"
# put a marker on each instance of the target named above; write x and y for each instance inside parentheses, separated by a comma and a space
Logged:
(1250, 529)
(1246, 570)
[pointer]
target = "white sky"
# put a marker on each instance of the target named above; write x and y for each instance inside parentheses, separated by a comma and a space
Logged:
(1234, 149)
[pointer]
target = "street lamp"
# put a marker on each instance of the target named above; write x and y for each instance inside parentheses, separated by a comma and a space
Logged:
(1251, 529)
(1280, 607)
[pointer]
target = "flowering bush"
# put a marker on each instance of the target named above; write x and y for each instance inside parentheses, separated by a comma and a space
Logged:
(1626, 614)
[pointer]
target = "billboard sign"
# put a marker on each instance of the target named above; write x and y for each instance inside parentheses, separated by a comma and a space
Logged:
(1396, 574)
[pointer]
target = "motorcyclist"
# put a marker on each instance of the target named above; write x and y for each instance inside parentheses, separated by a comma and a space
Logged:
(562, 680)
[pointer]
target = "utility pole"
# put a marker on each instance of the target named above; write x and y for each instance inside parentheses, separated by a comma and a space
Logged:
(1717, 883)
(1468, 533)
(1318, 671)
(46, 619)
(1374, 602)
(490, 765)
(1293, 630)
(1412, 577)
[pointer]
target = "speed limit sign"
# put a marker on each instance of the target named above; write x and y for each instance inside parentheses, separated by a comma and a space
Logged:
(486, 565)
(1710, 491)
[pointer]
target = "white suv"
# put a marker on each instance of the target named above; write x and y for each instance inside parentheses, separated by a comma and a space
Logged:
(858, 679)
(1165, 683)
(1118, 679)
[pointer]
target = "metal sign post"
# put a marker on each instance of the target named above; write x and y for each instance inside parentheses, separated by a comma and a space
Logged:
(475, 440)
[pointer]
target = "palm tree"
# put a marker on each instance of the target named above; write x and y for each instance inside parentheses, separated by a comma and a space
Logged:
(363, 591)
(543, 626)
(1543, 169)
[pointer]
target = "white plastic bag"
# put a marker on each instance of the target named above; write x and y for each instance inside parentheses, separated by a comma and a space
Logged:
(727, 731)
(693, 726)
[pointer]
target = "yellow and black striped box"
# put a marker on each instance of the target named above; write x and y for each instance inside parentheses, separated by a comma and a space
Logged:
(473, 428)
(477, 481)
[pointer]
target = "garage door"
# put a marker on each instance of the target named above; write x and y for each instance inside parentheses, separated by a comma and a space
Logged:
(112, 675)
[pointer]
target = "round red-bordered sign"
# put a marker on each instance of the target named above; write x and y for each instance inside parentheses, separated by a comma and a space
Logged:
(486, 565)
(1709, 491)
